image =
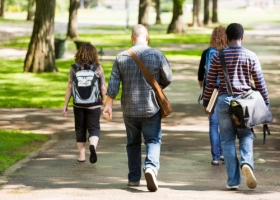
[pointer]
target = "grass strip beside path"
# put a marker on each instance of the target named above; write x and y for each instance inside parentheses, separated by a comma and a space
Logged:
(36, 90)
(15, 145)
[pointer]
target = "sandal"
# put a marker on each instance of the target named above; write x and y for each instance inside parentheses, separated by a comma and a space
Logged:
(93, 156)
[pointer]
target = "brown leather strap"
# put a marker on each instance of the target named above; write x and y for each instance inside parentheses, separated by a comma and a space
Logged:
(149, 77)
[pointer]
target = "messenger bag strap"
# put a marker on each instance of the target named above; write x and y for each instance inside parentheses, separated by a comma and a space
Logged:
(148, 75)
(225, 71)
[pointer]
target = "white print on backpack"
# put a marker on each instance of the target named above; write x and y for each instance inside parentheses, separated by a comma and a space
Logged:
(84, 79)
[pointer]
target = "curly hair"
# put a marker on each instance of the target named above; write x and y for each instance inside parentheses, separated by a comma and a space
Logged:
(86, 54)
(234, 31)
(218, 38)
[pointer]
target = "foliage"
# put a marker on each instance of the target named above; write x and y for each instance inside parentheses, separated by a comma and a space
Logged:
(62, 5)
(16, 5)
(166, 6)
(15, 145)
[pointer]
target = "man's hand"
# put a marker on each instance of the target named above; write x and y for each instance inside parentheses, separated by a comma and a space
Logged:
(107, 113)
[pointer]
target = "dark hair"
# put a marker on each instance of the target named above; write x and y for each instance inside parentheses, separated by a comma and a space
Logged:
(234, 31)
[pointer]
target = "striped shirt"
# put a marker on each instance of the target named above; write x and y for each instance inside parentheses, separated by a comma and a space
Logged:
(138, 98)
(241, 64)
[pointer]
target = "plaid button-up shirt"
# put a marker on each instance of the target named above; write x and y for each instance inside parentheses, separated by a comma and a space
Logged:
(138, 98)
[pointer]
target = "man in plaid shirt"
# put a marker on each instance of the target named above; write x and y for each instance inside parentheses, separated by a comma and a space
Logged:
(140, 108)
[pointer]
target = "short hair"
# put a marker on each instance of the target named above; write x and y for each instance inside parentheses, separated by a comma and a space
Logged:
(234, 31)
(219, 38)
(139, 30)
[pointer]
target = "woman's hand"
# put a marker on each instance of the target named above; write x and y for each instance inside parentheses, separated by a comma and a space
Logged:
(64, 111)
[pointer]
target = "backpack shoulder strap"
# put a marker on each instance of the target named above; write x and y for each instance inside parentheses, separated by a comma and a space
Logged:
(74, 66)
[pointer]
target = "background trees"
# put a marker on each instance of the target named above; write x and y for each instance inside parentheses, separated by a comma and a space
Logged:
(30, 10)
(158, 11)
(215, 11)
(2, 9)
(40, 56)
(177, 24)
(143, 16)
(72, 30)
(206, 12)
(196, 13)
(214, 18)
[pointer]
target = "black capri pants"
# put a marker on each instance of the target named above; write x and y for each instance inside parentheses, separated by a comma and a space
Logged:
(86, 120)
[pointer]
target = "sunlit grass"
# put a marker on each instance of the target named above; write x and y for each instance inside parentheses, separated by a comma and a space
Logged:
(32, 90)
(15, 145)
(117, 41)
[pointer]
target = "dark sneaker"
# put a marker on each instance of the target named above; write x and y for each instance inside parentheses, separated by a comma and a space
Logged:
(93, 156)
(151, 180)
(251, 181)
(133, 183)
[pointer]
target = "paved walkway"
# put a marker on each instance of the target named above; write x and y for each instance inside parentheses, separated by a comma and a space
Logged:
(52, 172)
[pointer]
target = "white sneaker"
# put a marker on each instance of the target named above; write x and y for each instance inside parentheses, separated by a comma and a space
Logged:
(151, 179)
(234, 187)
(251, 181)
(215, 162)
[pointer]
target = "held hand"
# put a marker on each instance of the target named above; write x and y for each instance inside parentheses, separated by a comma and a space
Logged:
(64, 111)
(107, 113)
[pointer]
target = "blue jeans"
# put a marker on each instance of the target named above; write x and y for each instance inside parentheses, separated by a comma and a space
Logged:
(151, 129)
(228, 136)
(216, 148)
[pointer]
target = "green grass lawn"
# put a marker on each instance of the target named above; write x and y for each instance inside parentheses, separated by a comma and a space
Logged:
(15, 145)
(31, 90)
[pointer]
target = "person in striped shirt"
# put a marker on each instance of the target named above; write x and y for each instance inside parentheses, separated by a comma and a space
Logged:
(242, 64)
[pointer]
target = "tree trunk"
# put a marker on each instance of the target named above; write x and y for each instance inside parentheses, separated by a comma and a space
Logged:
(30, 10)
(206, 12)
(215, 12)
(2, 10)
(40, 56)
(72, 21)
(196, 13)
(143, 17)
(158, 12)
(177, 24)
